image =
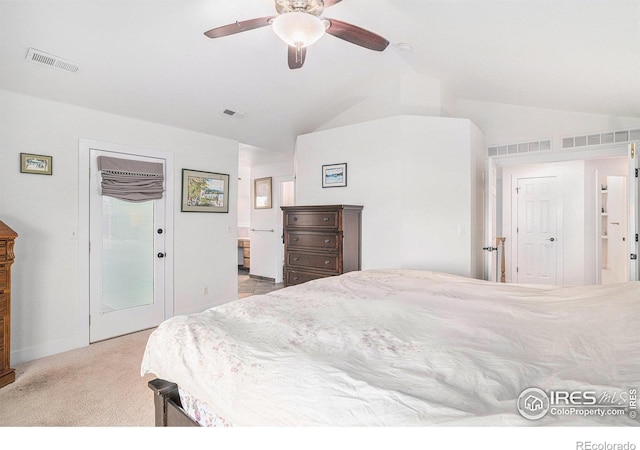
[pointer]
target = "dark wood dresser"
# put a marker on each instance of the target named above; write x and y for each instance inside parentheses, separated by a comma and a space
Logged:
(7, 239)
(321, 241)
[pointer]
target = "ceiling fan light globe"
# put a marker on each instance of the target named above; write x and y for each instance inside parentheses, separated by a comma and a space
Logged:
(298, 29)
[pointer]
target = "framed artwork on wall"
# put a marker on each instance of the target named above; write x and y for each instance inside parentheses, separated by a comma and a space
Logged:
(205, 191)
(334, 175)
(39, 164)
(262, 193)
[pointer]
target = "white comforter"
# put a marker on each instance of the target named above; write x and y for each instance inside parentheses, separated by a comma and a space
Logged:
(402, 348)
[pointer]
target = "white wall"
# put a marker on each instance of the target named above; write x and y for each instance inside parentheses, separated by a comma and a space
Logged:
(413, 175)
(406, 93)
(44, 211)
(512, 124)
(244, 198)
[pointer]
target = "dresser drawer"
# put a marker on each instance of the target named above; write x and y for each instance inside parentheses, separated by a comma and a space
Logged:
(313, 261)
(3, 251)
(3, 278)
(313, 241)
(312, 219)
(293, 277)
(3, 305)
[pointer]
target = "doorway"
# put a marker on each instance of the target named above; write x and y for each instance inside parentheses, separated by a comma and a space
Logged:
(127, 270)
(613, 262)
(580, 237)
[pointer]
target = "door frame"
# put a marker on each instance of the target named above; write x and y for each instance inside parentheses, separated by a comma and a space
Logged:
(496, 162)
(84, 184)
(280, 230)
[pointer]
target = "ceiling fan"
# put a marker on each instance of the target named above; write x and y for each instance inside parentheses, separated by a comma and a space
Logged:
(298, 24)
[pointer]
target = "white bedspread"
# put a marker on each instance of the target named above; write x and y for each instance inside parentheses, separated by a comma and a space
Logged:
(402, 348)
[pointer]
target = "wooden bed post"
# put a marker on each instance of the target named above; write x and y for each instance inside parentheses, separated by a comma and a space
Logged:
(168, 408)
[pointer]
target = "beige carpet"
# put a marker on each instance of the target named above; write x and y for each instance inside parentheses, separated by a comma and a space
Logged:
(95, 386)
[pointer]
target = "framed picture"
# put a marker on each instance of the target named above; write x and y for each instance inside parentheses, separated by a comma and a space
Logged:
(205, 191)
(262, 193)
(334, 175)
(39, 164)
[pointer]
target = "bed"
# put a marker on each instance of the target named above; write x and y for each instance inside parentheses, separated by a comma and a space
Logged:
(388, 348)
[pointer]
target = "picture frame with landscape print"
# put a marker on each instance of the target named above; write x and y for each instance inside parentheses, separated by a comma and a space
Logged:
(205, 191)
(39, 164)
(334, 175)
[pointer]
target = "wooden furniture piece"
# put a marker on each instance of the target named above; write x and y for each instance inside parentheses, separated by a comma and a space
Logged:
(7, 239)
(167, 405)
(245, 245)
(320, 241)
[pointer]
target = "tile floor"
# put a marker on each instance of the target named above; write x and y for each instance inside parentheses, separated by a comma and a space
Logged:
(248, 286)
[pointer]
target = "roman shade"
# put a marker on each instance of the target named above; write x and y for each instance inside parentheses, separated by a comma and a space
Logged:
(130, 180)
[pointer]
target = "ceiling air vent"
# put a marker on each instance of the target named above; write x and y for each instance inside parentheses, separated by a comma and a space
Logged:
(232, 113)
(40, 57)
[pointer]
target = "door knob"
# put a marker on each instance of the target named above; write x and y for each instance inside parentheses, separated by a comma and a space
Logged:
(161, 255)
(552, 239)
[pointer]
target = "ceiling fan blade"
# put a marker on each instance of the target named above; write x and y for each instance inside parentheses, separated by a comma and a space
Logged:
(239, 27)
(356, 35)
(297, 57)
(328, 3)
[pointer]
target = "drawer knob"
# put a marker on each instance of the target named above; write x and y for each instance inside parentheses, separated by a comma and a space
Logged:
(296, 259)
(296, 239)
(326, 219)
(326, 241)
(295, 218)
(296, 278)
(327, 262)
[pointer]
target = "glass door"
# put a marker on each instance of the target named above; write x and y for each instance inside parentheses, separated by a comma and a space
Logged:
(126, 260)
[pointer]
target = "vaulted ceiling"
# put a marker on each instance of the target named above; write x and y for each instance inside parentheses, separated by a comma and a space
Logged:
(149, 59)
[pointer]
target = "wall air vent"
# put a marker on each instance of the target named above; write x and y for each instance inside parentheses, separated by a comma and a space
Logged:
(524, 147)
(40, 57)
(610, 137)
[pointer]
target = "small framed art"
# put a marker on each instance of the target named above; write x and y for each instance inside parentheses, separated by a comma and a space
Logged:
(334, 175)
(39, 164)
(205, 191)
(262, 193)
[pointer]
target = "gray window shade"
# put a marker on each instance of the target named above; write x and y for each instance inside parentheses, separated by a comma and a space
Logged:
(132, 181)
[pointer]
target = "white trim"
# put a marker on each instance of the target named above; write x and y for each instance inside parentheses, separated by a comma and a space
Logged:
(490, 266)
(634, 215)
(84, 147)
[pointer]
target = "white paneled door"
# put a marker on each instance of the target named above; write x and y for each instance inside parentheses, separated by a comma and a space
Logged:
(127, 257)
(537, 230)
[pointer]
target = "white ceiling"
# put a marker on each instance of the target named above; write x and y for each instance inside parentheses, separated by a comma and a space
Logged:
(149, 59)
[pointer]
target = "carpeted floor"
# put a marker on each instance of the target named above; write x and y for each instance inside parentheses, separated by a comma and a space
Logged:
(98, 385)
